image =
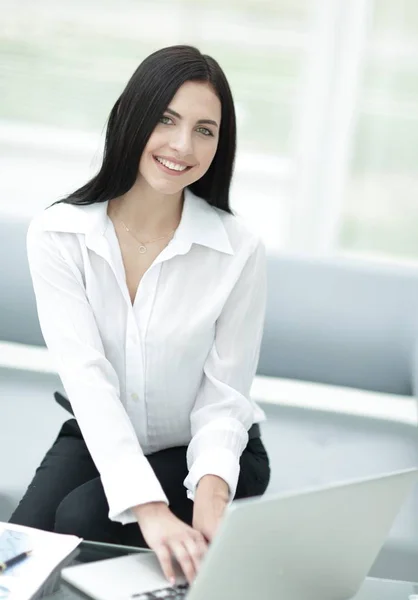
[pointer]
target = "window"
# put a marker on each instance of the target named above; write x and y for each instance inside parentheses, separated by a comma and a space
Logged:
(380, 210)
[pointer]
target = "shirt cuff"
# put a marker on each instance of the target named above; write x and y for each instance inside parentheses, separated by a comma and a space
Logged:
(221, 462)
(128, 484)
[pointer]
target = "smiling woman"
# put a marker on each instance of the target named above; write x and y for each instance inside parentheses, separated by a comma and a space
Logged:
(151, 299)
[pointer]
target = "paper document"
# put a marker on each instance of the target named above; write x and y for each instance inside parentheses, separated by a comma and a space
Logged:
(37, 574)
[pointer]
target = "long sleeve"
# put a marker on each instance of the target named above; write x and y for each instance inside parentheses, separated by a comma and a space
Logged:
(223, 412)
(71, 334)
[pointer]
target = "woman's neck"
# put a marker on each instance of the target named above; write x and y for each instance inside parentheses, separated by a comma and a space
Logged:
(144, 209)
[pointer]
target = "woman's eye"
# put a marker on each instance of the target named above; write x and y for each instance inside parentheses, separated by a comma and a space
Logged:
(165, 120)
(205, 131)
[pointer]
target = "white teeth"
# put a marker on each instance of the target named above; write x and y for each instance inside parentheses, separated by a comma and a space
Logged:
(170, 165)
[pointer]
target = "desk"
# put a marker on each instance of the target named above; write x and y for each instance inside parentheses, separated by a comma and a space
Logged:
(372, 589)
(89, 552)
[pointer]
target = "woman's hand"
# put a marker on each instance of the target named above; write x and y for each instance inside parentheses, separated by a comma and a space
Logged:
(169, 536)
(210, 501)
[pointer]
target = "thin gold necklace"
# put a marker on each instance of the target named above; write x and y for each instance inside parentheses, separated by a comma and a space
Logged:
(142, 247)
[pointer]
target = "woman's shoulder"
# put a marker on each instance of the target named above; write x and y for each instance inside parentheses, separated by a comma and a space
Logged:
(59, 217)
(54, 232)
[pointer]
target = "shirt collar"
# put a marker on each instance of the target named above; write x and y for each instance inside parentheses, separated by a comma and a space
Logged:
(200, 223)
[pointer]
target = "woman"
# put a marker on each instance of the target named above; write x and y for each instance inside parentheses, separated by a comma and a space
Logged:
(151, 299)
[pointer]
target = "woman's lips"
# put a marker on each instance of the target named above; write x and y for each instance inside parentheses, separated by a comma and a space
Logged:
(171, 171)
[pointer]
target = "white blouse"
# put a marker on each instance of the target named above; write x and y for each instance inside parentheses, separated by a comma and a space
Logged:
(173, 369)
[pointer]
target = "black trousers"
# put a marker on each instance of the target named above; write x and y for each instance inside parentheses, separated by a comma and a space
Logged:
(66, 494)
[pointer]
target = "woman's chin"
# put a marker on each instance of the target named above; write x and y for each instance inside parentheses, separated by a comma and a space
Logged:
(167, 187)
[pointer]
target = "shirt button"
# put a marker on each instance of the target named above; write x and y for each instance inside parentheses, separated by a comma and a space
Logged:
(135, 397)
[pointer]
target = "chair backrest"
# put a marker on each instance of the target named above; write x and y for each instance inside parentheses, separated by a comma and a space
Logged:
(344, 322)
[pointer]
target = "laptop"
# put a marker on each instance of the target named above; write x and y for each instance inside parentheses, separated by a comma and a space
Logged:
(316, 544)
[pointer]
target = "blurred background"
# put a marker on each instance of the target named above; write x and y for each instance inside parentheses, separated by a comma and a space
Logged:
(326, 94)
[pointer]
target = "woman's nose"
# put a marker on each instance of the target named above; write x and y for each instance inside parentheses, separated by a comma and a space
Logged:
(181, 142)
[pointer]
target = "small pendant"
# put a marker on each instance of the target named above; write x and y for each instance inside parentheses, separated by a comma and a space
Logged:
(142, 249)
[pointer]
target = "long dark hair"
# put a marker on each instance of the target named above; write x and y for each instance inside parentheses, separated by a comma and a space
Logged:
(136, 113)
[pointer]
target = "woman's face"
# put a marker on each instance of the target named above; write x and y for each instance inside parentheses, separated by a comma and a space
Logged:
(184, 142)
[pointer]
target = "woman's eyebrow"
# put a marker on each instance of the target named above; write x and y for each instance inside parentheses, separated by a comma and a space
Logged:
(201, 121)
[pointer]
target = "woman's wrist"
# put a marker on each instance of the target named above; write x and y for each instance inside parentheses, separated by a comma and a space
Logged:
(214, 485)
(149, 509)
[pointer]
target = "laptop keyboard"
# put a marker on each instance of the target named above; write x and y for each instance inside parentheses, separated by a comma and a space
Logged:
(171, 593)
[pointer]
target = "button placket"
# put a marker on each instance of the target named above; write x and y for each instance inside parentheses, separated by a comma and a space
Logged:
(134, 360)
(142, 309)
(144, 300)
(138, 317)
